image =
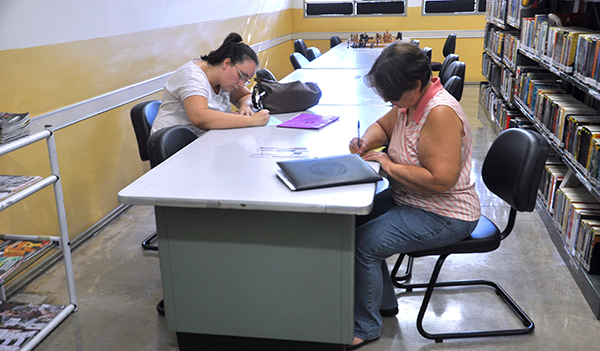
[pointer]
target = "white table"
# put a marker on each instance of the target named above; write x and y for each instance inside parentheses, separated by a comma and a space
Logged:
(341, 56)
(240, 253)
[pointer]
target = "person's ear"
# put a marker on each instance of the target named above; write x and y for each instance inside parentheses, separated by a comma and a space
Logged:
(226, 63)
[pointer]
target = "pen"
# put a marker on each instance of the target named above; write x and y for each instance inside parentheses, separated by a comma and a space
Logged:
(358, 132)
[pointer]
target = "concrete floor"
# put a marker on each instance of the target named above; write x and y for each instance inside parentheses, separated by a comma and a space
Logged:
(118, 285)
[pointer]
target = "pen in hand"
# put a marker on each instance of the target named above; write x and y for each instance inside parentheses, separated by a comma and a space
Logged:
(358, 133)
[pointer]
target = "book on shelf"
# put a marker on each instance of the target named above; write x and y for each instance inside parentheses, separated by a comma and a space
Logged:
(551, 179)
(588, 132)
(574, 122)
(11, 184)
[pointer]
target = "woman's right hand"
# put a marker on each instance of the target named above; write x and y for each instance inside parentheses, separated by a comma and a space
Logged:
(260, 118)
(358, 146)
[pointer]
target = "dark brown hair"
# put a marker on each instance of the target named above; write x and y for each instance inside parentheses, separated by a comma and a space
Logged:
(233, 48)
(397, 70)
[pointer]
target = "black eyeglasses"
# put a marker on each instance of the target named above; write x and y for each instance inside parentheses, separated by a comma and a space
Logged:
(243, 76)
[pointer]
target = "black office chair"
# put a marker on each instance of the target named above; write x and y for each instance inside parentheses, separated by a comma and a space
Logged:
(300, 46)
(298, 60)
(265, 74)
(447, 61)
(456, 68)
(455, 86)
(449, 47)
(415, 42)
(427, 51)
(334, 40)
(161, 145)
(142, 117)
(313, 52)
(165, 142)
(512, 170)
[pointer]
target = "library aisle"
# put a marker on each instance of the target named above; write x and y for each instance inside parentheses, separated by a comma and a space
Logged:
(118, 286)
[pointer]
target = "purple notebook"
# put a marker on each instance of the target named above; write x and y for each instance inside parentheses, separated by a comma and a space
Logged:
(309, 121)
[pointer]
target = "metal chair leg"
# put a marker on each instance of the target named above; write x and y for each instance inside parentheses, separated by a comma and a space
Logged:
(396, 279)
(439, 337)
(146, 244)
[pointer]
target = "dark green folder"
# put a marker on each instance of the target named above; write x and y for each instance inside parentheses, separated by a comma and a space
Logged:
(324, 172)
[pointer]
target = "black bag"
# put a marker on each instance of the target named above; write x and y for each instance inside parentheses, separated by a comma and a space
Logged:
(284, 97)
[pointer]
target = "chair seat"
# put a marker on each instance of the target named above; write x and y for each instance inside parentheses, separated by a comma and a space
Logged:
(485, 238)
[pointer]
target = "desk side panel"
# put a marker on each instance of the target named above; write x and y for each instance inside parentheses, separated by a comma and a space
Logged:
(266, 274)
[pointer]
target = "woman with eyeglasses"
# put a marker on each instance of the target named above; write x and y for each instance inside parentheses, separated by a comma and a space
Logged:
(199, 94)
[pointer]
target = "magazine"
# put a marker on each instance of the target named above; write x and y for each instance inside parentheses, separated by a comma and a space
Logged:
(10, 184)
(13, 126)
(20, 322)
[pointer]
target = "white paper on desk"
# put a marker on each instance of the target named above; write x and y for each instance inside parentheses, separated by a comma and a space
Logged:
(271, 151)
(273, 121)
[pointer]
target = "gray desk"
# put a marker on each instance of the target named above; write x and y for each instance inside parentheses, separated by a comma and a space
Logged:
(241, 254)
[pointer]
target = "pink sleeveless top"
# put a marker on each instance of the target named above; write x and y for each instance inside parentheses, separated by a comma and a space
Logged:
(461, 201)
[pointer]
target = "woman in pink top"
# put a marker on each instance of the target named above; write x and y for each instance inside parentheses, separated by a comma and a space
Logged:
(432, 200)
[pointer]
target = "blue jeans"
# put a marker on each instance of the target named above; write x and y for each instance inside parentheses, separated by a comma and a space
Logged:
(390, 229)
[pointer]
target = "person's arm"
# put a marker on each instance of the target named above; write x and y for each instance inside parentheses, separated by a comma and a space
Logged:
(242, 99)
(439, 151)
(377, 134)
(196, 108)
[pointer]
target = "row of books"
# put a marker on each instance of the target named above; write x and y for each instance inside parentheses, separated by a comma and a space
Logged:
(587, 65)
(531, 79)
(500, 113)
(576, 214)
(545, 36)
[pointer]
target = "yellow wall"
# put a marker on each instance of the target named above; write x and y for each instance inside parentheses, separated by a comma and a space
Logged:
(98, 157)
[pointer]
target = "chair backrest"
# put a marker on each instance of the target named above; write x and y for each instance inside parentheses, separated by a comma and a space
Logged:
(455, 86)
(300, 46)
(415, 42)
(298, 60)
(165, 142)
(334, 40)
(265, 74)
(456, 68)
(427, 50)
(142, 117)
(312, 53)
(513, 167)
(449, 45)
(447, 61)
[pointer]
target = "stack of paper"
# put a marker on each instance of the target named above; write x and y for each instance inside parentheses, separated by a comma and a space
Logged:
(13, 126)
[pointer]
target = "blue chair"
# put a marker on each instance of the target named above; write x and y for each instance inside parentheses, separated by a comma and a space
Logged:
(142, 117)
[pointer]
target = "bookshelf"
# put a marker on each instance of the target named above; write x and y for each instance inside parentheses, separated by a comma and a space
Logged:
(546, 76)
(58, 313)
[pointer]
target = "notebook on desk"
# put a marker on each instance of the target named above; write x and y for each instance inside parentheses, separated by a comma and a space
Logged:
(324, 172)
(309, 121)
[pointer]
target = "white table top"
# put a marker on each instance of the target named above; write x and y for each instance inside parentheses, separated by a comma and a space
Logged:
(220, 170)
(339, 86)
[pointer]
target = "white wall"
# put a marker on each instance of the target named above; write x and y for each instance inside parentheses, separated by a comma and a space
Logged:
(29, 23)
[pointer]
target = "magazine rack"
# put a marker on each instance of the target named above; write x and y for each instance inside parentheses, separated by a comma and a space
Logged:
(62, 240)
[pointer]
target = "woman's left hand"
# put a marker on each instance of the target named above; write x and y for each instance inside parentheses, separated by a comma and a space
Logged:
(377, 156)
(245, 110)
